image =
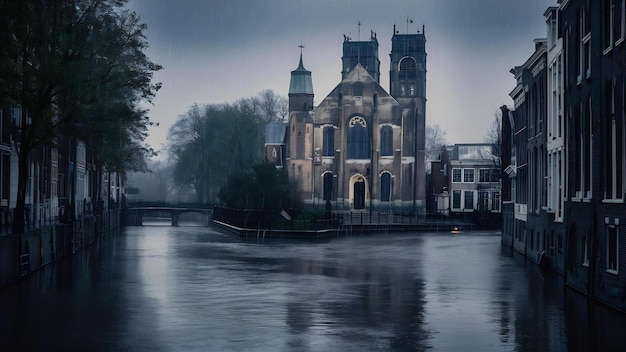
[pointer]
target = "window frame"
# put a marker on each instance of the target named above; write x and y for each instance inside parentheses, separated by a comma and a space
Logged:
(467, 174)
(466, 199)
(612, 231)
(386, 141)
(585, 251)
(484, 175)
(328, 141)
(460, 175)
(327, 189)
(389, 189)
(358, 143)
(456, 195)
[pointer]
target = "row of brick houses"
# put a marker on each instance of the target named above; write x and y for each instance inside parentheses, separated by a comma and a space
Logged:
(564, 156)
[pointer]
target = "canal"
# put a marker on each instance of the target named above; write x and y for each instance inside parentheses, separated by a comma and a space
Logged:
(193, 288)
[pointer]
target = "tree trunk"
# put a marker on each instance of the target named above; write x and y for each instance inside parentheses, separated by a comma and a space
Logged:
(22, 182)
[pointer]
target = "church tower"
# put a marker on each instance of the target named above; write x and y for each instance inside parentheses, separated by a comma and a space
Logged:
(300, 130)
(301, 88)
(407, 85)
(361, 52)
(408, 65)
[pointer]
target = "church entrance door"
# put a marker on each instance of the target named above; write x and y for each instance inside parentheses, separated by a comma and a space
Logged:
(359, 195)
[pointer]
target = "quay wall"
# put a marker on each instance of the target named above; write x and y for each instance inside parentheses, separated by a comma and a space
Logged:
(23, 254)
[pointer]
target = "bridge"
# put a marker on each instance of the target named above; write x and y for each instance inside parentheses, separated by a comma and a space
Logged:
(134, 212)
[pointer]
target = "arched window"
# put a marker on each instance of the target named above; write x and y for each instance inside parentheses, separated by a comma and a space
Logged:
(358, 142)
(328, 186)
(328, 143)
(407, 69)
(386, 141)
(407, 76)
(385, 187)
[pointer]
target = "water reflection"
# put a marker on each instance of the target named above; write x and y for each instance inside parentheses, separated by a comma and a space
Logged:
(160, 288)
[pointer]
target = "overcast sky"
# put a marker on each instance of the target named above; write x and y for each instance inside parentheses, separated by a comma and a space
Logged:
(218, 51)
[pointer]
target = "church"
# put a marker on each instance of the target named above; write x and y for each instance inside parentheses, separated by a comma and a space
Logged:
(362, 147)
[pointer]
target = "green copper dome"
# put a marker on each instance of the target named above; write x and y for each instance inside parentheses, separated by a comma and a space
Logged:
(301, 82)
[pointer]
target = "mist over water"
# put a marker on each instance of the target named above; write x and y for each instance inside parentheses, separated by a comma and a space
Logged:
(194, 288)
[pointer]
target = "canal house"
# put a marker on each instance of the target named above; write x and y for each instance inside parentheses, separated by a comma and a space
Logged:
(565, 199)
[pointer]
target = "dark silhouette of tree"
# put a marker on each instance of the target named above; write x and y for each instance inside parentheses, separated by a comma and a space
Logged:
(210, 144)
(264, 188)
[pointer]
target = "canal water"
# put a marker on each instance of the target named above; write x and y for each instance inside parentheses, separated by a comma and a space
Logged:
(193, 288)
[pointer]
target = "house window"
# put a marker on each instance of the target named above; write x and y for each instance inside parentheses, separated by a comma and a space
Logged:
(495, 205)
(612, 249)
(586, 58)
(328, 186)
(588, 162)
(484, 175)
(621, 19)
(5, 125)
(386, 141)
(614, 136)
(607, 20)
(385, 187)
(495, 175)
(468, 175)
(358, 141)
(328, 143)
(456, 175)
(585, 254)
(483, 200)
(456, 199)
(5, 178)
(469, 200)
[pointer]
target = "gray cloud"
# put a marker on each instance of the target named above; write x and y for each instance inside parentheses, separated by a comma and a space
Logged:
(222, 50)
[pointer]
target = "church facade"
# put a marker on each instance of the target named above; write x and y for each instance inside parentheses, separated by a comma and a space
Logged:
(362, 147)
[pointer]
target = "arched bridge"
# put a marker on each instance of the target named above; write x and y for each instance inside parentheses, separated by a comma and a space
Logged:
(134, 212)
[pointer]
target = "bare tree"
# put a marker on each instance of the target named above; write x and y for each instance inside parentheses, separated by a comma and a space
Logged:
(435, 140)
(273, 107)
(494, 136)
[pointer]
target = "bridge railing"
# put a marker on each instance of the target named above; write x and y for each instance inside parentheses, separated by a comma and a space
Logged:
(145, 204)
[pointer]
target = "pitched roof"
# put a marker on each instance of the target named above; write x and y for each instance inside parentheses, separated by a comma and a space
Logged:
(275, 132)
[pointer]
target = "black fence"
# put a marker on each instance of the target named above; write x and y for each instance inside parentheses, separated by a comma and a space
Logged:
(288, 219)
(295, 220)
(145, 204)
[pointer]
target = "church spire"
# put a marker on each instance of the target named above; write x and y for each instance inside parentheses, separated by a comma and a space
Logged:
(300, 88)
(300, 65)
